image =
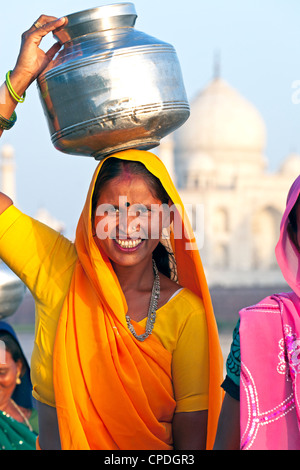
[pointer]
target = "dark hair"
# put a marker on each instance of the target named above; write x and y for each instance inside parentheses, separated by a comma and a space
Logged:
(293, 215)
(114, 167)
(293, 226)
(13, 348)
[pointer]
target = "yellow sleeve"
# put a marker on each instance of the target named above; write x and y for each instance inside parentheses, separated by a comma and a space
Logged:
(36, 253)
(190, 364)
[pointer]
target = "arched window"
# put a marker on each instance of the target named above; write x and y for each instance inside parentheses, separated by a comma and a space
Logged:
(220, 221)
(221, 256)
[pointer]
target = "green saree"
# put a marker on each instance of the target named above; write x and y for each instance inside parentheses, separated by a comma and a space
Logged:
(15, 435)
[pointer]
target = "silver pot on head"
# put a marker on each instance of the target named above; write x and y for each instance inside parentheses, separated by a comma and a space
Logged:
(111, 87)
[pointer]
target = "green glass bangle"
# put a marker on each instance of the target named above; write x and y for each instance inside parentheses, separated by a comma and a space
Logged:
(7, 124)
(16, 97)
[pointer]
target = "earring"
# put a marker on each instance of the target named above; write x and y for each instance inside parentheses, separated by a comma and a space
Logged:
(18, 380)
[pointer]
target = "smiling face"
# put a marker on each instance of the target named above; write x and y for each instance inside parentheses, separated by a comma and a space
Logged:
(128, 220)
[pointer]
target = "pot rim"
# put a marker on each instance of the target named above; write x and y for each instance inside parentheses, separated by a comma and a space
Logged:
(97, 19)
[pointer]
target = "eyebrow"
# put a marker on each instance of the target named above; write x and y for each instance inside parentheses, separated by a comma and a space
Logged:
(136, 205)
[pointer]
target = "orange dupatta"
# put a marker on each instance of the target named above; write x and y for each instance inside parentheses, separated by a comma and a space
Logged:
(112, 391)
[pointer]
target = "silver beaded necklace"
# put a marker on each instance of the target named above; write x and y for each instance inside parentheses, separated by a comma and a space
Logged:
(151, 317)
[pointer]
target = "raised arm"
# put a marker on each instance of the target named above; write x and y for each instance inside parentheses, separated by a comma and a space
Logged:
(30, 63)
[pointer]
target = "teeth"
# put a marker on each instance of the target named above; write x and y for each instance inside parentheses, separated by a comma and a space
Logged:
(128, 243)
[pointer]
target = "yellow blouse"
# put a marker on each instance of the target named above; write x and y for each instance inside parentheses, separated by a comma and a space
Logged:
(45, 259)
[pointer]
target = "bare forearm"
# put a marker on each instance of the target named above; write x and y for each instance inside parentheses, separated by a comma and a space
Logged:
(228, 433)
(7, 102)
(190, 430)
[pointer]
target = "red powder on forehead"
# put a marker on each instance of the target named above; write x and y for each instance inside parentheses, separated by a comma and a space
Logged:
(126, 172)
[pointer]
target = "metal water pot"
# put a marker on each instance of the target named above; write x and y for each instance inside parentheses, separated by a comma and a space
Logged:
(111, 87)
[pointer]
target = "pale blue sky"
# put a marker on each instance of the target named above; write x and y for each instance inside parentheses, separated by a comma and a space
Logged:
(259, 44)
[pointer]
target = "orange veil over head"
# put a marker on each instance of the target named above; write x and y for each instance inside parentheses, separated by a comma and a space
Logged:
(111, 390)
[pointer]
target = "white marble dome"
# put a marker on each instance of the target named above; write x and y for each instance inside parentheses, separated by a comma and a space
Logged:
(222, 119)
(291, 165)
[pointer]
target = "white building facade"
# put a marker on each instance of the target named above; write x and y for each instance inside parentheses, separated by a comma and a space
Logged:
(218, 163)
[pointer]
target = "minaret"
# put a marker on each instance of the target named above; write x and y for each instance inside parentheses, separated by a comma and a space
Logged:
(8, 172)
(217, 65)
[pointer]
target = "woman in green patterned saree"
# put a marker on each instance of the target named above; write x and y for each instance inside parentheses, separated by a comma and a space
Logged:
(18, 419)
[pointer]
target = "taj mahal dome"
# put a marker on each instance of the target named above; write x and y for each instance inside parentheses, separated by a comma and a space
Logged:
(217, 160)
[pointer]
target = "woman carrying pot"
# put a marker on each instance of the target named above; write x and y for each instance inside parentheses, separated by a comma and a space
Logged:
(125, 357)
(261, 409)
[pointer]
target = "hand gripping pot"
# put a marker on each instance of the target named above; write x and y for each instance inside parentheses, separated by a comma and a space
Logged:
(111, 87)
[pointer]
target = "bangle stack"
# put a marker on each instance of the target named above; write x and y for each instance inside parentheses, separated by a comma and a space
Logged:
(7, 124)
(16, 97)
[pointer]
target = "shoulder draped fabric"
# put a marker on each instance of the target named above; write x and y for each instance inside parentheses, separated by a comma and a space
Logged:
(270, 348)
(104, 378)
(15, 435)
(288, 257)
